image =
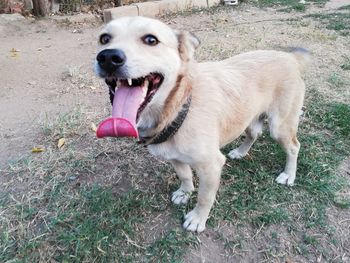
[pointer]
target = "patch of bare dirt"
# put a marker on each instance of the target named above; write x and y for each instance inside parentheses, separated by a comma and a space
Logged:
(45, 69)
(211, 249)
(335, 4)
(242, 243)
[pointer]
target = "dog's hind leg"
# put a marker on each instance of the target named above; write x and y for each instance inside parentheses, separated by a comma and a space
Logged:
(183, 171)
(252, 132)
(285, 134)
(209, 172)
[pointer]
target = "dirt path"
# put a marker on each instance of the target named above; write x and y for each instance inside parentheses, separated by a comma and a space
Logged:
(47, 68)
(40, 63)
(334, 4)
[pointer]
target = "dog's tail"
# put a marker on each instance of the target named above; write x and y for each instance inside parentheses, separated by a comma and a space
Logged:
(303, 57)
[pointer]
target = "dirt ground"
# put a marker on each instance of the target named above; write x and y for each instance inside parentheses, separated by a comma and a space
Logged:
(46, 68)
(51, 68)
(36, 78)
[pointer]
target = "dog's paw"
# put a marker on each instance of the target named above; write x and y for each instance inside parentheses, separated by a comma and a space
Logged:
(235, 154)
(284, 178)
(180, 197)
(194, 222)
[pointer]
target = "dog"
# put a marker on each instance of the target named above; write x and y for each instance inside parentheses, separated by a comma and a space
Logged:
(188, 110)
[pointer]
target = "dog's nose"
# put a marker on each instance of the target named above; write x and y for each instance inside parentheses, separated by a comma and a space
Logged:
(111, 59)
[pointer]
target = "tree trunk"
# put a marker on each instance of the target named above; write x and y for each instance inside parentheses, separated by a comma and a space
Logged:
(118, 3)
(40, 7)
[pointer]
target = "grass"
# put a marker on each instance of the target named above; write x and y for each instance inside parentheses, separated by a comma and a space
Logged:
(345, 7)
(337, 21)
(337, 118)
(67, 220)
(195, 10)
(336, 80)
(254, 193)
(346, 64)
(172, 246)
(289, 5)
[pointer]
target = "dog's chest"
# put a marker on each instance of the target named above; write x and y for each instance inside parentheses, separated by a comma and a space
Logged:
(168, 152)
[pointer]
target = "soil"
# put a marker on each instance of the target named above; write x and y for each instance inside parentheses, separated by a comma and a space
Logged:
(46, 67)
(334, 4)
(40, 60)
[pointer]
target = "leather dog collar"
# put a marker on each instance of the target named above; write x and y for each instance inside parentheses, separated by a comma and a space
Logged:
(172, 128)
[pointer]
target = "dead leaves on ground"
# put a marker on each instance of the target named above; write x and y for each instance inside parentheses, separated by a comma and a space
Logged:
(61, 142)
(37, 149)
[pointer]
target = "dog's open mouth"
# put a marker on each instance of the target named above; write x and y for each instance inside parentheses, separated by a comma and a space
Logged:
(148, 85)
(145, 86)
(131, 97)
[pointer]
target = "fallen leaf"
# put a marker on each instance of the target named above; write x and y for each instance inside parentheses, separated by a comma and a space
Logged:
(14, 52)
(37, 150)
(61, 142)
(93, 127)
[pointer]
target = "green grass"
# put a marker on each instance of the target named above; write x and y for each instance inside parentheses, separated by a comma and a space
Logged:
(172, 246)
(69, 221)
(337, 118)
(336, 80)
(346, 64)
(334, 21)
(254, 194)
(271, 216)
(345, 7)
(289, 5)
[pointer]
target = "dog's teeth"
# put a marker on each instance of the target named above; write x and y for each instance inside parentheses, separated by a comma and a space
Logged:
(118, 83)
(129, 81)
(144, 89)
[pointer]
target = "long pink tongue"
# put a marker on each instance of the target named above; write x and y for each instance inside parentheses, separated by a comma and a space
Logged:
(126, 102)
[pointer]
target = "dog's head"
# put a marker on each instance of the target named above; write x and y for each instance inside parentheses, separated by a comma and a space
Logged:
(144, 52)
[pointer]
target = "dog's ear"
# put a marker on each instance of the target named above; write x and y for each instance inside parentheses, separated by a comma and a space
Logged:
(188, 43)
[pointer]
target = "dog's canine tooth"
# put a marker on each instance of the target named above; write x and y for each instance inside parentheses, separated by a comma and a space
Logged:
(129, 81)
(145, 86)
(118, 83)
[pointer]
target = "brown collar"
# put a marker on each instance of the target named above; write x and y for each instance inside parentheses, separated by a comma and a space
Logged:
(170, 129)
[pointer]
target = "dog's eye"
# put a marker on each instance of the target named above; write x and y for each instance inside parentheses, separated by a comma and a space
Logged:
(105, 38)
(150, 40)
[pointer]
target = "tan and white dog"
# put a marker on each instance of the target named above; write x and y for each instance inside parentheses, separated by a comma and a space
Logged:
(207, 105)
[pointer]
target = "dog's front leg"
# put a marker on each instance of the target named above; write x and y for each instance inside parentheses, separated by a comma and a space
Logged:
(183, 171)
(209, 173)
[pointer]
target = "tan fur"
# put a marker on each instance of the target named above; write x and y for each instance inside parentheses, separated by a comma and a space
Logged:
(228, 98)
(177, 97)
